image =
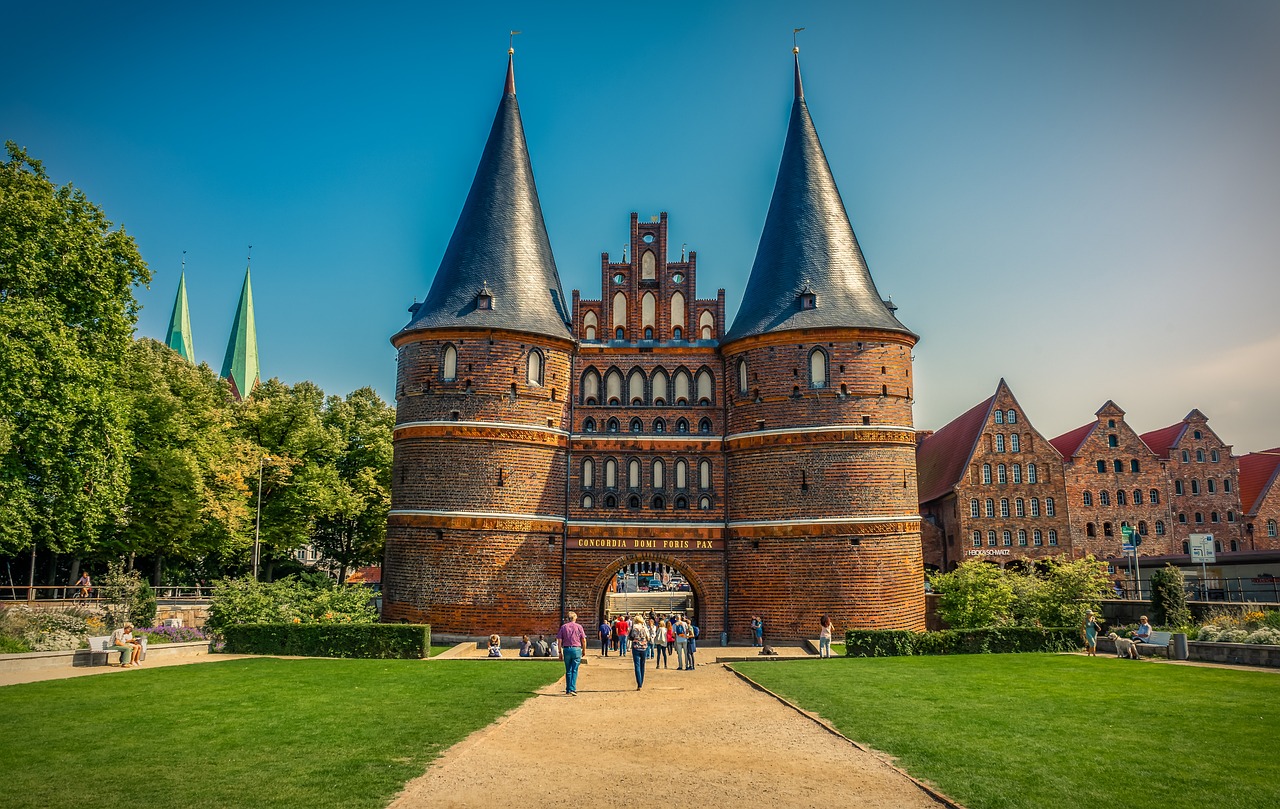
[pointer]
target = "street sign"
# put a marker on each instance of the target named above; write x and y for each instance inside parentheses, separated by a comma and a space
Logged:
(1202, 548)
(1127, 548)
(1126, 531)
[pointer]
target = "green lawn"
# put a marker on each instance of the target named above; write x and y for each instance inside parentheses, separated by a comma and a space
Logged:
(260, 732)
(1044, 731)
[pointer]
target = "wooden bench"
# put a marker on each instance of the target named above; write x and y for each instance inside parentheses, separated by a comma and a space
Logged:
(1158, 643)
(102, 646)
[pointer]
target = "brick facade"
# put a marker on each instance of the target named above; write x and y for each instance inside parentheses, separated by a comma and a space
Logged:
(1009, 502)
(1205, 476)
(786, 496)
(1113, 479)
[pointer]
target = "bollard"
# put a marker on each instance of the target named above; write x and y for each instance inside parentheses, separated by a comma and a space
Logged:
(1178, 646)
(724, 638)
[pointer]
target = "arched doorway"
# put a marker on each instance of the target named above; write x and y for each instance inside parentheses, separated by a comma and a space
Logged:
(640, 584)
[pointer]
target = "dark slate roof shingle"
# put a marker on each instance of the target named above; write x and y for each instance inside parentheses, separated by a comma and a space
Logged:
(808, 241)
(500, 240)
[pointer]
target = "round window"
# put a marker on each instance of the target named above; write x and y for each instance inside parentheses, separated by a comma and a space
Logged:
(618, 278)
(678, 277)
(648, 238)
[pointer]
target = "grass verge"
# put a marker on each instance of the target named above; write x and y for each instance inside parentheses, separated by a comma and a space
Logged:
(1036, 730)
(260, 732)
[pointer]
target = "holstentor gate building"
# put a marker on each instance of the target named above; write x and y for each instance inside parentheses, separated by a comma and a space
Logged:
(541, 446)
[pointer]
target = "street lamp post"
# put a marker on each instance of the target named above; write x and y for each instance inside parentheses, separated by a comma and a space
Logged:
(257, 525)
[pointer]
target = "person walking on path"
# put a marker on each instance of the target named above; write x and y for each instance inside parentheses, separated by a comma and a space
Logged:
(624, 626)
(639, 638)
(757, 631)
(824, 636)
(692, 632)
(605, 632)
(660, 645)
(572, 640)
(682, 642)
(1091, 630)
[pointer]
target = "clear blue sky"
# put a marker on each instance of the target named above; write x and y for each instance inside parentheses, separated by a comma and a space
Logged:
(1081, 197)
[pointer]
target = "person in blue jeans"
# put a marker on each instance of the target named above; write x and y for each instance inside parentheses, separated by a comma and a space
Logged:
(624, 626)
(639, 638)
(572, 640)
(605, 631)
(692, 646)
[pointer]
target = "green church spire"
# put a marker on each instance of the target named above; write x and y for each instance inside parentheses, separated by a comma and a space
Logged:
(179, 337)
(240, 366)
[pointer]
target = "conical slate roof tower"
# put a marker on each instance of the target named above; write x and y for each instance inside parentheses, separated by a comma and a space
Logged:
(179, 335)
(808, 248)
(820, 444)
(500, 245)
(240, 366)
(482, 391)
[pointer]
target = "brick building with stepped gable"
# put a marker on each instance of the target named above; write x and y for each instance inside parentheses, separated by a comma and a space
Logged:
(541, 448)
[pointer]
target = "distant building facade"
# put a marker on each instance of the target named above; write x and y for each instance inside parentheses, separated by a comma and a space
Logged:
(994, 485)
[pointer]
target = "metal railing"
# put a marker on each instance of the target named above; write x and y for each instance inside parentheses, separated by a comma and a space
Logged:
(75, 593)
(1240, 589)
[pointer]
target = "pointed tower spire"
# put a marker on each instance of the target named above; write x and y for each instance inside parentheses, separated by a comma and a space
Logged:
(501, 239)
(179, 335)
(240, 366)
(809, 271)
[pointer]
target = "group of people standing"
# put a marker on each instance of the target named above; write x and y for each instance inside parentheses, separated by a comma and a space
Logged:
(646, 637)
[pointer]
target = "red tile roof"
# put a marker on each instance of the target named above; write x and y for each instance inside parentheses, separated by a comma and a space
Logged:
(366, 575)
(942, 457)
(1257, 476)
(1068, 444)
(1161, 441)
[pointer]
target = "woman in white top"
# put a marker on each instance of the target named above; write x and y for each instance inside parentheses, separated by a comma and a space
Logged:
(660, 645)
(824, 637)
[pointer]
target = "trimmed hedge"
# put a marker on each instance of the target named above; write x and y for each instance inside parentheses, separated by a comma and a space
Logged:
(991, 640)
(401, 641)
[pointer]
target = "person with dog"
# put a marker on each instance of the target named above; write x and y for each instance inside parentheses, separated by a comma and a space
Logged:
(1090, 632)
(1143, 633)
(1125, 647)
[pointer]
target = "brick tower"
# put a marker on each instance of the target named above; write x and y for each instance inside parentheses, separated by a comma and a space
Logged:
(475, 535)
(820, 448)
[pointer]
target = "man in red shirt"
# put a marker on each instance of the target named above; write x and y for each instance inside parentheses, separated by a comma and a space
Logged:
(623, 625)
(572, 640)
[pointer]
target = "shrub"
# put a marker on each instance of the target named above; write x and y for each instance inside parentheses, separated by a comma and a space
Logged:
(1272, 619)
(51, 629)
(1233, 635)
(1265, 635)
(289, 600)
(1169, 597)
(10, 645)
(171, 634)
(975, 594)
(1207, 633)
(127, 597)
(403, 641)
(987, 640)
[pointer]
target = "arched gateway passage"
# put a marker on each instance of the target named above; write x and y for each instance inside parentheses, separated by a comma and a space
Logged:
(644, 583)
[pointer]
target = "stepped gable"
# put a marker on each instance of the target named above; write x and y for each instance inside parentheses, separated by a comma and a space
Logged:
(807, 248)
(942, 458)
(1258, 473)
(499, 246)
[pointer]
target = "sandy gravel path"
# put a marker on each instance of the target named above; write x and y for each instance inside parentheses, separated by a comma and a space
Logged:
(718, 741)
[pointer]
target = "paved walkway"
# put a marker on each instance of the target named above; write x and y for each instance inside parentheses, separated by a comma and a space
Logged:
(67, 672)
(689, 738)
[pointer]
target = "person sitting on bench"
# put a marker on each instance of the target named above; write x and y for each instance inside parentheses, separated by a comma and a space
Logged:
(130, 648)
(1143, 633)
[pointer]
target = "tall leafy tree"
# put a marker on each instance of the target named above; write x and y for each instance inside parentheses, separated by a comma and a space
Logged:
(352, 525)
(67, 313)
(190, 471)
(298, 451)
